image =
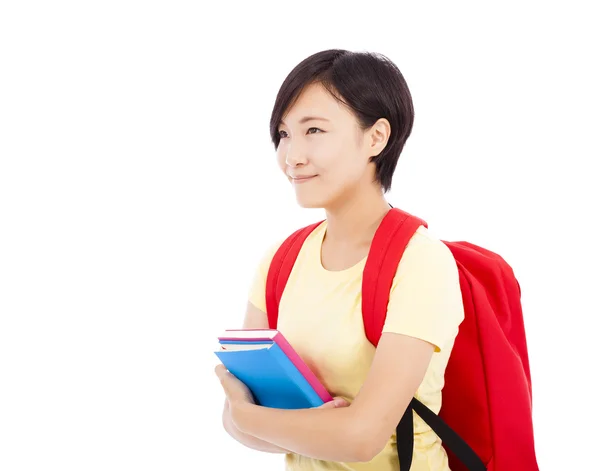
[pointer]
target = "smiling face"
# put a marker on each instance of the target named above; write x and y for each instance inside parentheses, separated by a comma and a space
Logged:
(322, 151)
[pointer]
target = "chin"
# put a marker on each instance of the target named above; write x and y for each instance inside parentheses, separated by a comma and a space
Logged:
(310, 199)
(312, 196)
(310, 203)
(313, 200)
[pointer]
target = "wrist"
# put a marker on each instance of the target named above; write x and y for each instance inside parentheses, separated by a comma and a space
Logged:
(238, 411)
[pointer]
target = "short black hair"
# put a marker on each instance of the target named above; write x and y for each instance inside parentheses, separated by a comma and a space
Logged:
(369, 84)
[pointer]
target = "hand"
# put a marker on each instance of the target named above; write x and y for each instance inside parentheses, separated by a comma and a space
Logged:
(234, 389)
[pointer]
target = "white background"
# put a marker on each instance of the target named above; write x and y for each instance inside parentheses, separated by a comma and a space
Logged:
(138, 189)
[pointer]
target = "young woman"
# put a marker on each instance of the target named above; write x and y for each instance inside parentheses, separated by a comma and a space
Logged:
(339, 124)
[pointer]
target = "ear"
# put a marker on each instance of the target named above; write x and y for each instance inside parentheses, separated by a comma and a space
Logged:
(378, 136)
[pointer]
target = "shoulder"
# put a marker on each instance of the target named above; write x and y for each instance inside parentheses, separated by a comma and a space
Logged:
(426, 298)
(427, 252)
(258, 286)
(313, 238)
(425, 240)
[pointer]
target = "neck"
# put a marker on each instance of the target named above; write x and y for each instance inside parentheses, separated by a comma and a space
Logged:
(355, 220)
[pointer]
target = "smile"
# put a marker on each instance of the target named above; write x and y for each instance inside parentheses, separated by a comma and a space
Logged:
(302, 179)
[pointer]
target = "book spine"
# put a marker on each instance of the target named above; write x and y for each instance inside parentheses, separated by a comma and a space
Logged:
(306, 372)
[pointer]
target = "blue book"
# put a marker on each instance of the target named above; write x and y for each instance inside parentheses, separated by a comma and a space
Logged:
(270, 375)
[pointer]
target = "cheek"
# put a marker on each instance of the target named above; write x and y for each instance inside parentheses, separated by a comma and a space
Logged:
(327, 157)
(345, 165)
(281, 160)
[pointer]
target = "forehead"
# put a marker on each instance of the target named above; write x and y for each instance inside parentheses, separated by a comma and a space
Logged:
(316, 101)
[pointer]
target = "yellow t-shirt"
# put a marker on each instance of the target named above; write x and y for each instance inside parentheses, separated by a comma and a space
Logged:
(320, 314)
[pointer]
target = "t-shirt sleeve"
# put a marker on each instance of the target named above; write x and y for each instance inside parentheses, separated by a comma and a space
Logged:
(258, 286)
(425, 298)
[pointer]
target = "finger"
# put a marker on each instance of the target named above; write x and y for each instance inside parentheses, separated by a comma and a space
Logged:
(222, 373)
(335, 403)
(327, 405)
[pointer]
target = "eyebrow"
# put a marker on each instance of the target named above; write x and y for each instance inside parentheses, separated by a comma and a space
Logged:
(308, 118)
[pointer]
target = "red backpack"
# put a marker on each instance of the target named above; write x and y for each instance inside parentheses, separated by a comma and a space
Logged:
(485, 422)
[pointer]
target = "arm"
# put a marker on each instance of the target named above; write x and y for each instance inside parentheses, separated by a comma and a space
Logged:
(245, 439)
(424, 311)
(254, 319)
(355, 433)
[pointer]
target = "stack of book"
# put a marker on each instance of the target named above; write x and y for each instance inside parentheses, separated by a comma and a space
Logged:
(268, 365)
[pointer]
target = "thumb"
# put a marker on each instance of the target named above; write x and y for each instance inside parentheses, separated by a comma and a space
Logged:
(334, 403)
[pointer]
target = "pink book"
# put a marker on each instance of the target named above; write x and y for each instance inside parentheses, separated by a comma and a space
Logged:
(277, 337)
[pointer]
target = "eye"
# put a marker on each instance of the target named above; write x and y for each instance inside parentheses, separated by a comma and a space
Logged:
(283, 134)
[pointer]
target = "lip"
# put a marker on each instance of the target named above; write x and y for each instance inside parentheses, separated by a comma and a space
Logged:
(302, 179)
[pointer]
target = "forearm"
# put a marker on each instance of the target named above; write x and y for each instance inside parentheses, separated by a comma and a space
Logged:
(245, 438)
(325, 434)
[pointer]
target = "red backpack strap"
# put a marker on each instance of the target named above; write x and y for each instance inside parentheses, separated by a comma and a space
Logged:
(390, 240)
(280, 269)
(388, 245)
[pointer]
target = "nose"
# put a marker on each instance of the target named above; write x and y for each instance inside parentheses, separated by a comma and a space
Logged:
(295, 156)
